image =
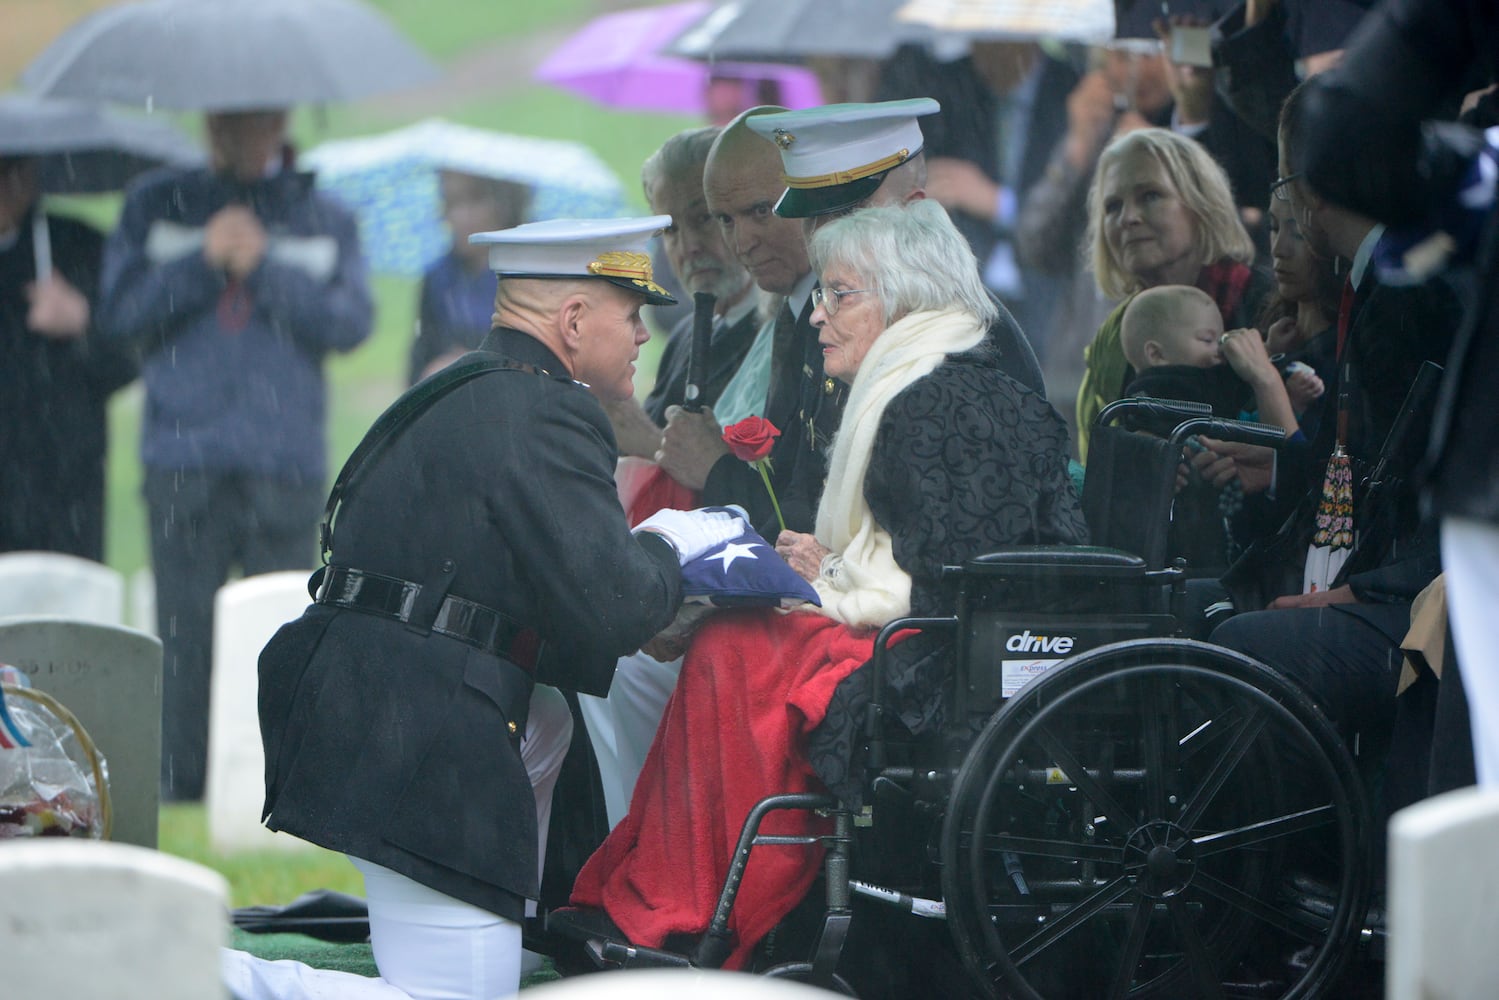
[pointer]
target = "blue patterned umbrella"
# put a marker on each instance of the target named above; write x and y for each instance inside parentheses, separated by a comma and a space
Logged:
(390, 181)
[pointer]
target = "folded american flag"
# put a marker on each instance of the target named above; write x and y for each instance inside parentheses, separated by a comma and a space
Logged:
(744, 572)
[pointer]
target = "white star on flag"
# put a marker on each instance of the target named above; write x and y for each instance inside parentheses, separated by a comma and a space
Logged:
(733, 551)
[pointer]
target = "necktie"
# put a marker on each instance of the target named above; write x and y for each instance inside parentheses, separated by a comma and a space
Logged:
(785, 361)
(1345, 320)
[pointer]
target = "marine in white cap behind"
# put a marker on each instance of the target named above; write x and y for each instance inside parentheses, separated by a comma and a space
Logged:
(839, 157)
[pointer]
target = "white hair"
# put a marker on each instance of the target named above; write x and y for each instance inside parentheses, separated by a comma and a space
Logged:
(911, 255)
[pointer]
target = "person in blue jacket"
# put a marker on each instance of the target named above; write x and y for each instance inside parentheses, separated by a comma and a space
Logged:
(234, 282)
(457, 296)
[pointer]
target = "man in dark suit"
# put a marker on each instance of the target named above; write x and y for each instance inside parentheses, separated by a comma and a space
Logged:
(1341, 642)
(1370, 142)
(478, 549)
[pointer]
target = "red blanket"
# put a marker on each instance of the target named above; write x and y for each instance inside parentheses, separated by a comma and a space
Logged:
(754, 683)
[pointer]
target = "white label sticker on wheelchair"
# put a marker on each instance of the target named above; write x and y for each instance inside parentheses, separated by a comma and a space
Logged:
(1015, 673)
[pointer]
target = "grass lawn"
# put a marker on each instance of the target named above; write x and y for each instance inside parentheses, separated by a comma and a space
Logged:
(269, 877)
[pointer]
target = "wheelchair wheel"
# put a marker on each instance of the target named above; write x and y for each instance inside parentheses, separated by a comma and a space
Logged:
(1156, 818)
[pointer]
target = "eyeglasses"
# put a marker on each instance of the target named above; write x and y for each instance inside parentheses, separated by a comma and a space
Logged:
(1281, 189)
(828, 299)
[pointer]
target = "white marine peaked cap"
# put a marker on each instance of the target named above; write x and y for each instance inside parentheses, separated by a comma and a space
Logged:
(616, 250)
(836, 155)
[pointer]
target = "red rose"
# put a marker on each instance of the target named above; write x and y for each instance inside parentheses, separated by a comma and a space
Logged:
(751, 438)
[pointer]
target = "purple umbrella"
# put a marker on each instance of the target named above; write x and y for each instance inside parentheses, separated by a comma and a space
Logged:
(616, 60)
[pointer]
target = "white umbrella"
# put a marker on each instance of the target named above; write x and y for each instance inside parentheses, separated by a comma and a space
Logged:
(790, 30)
(390, 181)
(228, 55)
(1072, 20)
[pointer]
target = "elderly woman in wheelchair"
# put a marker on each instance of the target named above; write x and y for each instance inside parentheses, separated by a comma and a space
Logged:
(1089, 808)
(939, 457)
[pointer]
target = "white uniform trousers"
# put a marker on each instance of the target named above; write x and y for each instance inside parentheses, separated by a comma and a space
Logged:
(623, 725)
(427, 946)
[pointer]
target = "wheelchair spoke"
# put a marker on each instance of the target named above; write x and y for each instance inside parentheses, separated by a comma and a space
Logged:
(1248, 730)
(1139, 923)
(1070, 921)
(1078, 775)
(1203, 973)
(1283, 922)
(1155, 706)
(1268, 829)
(1066, 850)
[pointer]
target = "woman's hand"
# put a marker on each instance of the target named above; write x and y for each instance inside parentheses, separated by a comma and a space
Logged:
(1283, 336)
(1304, 387)
(803, 553)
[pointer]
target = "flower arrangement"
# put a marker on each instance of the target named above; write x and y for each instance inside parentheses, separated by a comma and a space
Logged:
(751, 440)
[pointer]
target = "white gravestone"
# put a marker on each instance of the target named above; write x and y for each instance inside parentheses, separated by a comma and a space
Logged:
(1444, 898)
(51, 583)
(109, 677)
(140, 595)
(89, 919)
(246, 614)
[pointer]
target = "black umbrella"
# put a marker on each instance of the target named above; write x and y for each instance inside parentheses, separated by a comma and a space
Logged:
(84, 149)
(228, 55)
(1134, 18)
(790, 30)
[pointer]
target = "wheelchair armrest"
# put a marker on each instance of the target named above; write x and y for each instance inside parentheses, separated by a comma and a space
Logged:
(1238, 431)
(1051, 560)
(874, 720)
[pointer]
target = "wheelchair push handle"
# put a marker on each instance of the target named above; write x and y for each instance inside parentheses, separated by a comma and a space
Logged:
(1153, 409)
(1236, 431)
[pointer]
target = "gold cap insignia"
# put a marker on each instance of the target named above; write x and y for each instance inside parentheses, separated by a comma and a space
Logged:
(783, 138)
(848, 176)
(626, 264)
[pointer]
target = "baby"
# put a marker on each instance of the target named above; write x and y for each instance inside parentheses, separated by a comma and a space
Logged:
(1173, 337)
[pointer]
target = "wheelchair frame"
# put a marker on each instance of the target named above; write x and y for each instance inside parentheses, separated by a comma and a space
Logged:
(1116, 827)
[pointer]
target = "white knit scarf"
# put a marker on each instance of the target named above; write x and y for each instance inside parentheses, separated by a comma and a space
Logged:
(860, 583)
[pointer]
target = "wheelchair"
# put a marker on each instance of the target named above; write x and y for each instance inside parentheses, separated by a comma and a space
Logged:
(1110, 810)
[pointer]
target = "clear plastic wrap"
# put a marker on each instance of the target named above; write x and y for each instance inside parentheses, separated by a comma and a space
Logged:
(55, 786)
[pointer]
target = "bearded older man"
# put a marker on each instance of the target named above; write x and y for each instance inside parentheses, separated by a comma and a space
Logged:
(673, 181)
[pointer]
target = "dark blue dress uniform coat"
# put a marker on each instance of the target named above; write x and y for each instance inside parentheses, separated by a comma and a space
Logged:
(395, 745)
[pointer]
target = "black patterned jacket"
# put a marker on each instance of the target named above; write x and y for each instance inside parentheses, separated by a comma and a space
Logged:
(966, 460)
